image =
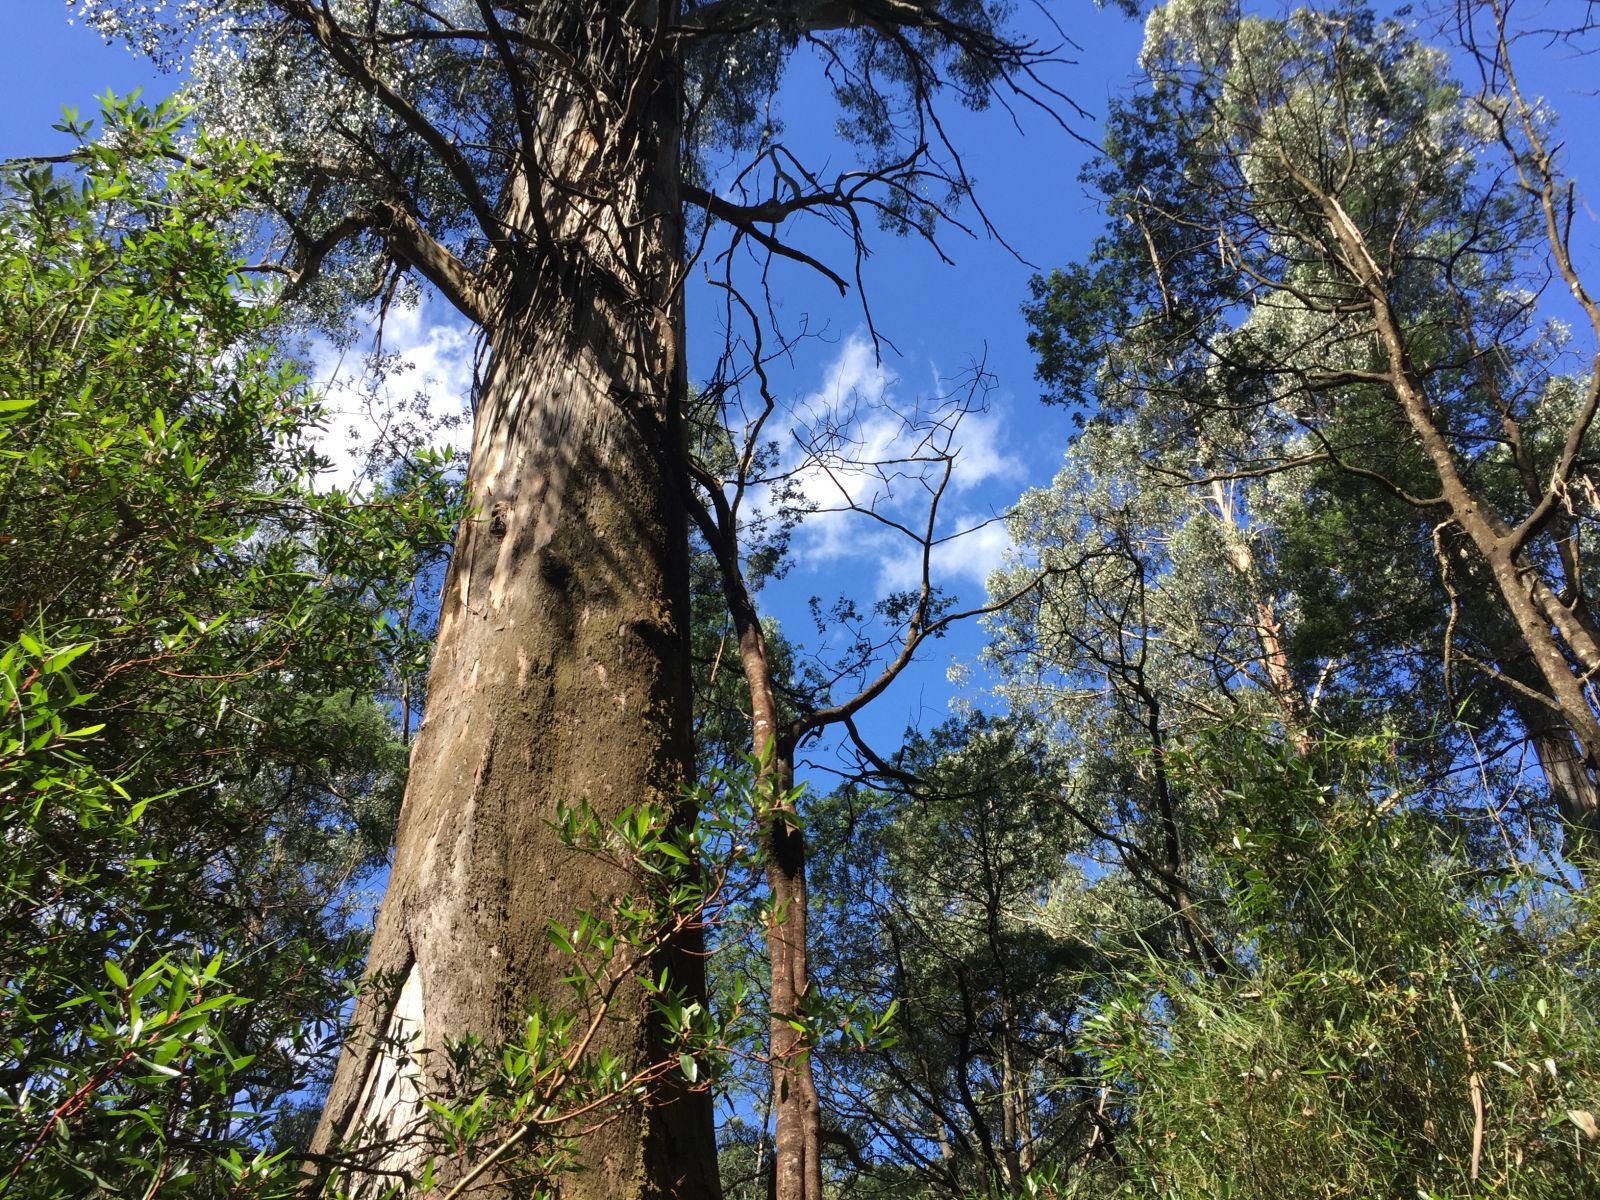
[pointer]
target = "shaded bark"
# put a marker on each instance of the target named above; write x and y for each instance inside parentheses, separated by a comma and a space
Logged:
(560, 674)
(1569, 777)
(557, 678)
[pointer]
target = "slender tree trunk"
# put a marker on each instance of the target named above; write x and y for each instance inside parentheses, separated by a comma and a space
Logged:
(1269, 629)
(1566, 738)
(1532, 605)
(796, 1107)
(560, 676)
(1013, 1118)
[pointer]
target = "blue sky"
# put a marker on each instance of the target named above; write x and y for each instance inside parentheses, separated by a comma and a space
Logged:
(47, 64)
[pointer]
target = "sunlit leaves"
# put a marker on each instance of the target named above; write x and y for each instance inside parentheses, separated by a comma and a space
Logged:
(193, 767)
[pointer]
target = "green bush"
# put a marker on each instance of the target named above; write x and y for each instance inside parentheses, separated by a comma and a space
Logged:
(196, 761)
(1404, 1021)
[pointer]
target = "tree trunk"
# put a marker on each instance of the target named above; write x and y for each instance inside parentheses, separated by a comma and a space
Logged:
(1013, 1112)
(1269, 629)
(1569, 778)
(560, 676)
(1532, 605)
(796, 1108)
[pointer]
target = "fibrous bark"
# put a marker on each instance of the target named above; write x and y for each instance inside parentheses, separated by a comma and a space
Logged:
(527, 160)
(560, 675)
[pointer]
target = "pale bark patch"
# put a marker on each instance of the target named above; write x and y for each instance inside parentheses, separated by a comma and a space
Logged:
(391, 1103)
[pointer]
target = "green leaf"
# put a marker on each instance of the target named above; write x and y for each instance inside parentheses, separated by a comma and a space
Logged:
(65, 657)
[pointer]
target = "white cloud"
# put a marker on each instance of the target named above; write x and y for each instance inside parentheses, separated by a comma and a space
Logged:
(429, 353)
(873, 449)
(856, 374)
(876, 455)
(968, 556)
(980, 459)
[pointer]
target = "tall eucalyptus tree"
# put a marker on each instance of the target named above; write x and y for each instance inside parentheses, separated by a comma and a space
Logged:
(1330, 264)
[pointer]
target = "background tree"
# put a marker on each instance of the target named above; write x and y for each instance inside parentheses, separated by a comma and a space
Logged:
(199, 768)
(747, 499)
(944, 892)
(1348, 292)
(1250, 546)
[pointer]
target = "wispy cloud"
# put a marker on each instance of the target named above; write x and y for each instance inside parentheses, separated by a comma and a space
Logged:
(426, 383)
(976, 548)
(869, 448)
(865, 446)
